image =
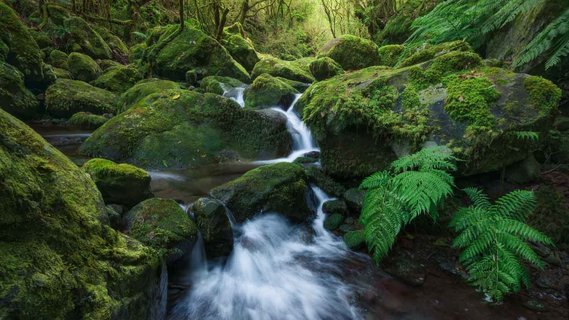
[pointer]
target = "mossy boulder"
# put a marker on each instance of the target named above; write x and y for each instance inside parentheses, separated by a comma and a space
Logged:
(59, 261)
(118, 79)
(218, 85)
(122, 184)
(82, 67)
(106, 64)
(366, 119)
(58, 59)
(268, 91)
(83, 38)
(15, 98)
(143, 89)
(355, 240)
(389, 55)
(280, 188)
(333, 221)
(67, 97)
(20, 49)
(181, 128)
(175, 53)
(324, 68)
(351, 52)
(297, 70)
(86, 120)
(214, 225)
(119, 50)
(163, 225)
(242, 50)
(429, 52)
(61, 73)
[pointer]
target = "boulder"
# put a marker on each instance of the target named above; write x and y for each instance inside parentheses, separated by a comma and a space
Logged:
(354, 198)
(429, 52)
(524, 171)
(82, 67)
(335, 206)
(176, 53)
(268, 91)
(15, 98)
(58, 59)
(86, 120)
(333, 221)
(122, 184)
(118, 79)
(214, 225)
(324, 68)
(218, 85)
(323, 181)
(366, 119)
(20, 49)
(355, 239)
(83, 38)
(163, 225)
(280, 188)
(242, 50)
(351, 52)
(181, 129)
(143, 89)
(106, 64)
(292, 70)
(389, 55)
(59, 258)
(67, 97)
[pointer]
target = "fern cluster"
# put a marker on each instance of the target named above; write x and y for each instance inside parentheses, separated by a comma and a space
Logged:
(493, 239)
(413, 185)
(473, 20)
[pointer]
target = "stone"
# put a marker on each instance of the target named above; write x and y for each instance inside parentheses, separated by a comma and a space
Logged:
(67, 97)
(268, 91)
(351, 52)
(82, 67)
(324, 68)
(214, 225)
(525, 171)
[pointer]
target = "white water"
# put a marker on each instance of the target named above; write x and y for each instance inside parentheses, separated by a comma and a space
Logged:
(235, 94)
(302, 141)
(276, 271)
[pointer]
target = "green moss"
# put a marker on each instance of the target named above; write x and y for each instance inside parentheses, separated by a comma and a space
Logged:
(268, 91)
(293, 70)
(57, 258)
(351, 52)
(161, 224)
(137, 52)
(355, 240)
(143, 89)
(83, 38)
(214, 225)
(118, 48)
(242, 50)
(58, 59)
(67, 97)
(192, 49)
(118, 79)
(122, 183)
(430, 52)
(469, 100)
(333, 221)
(324, 68)
(389, 55)
(14, 97)
(83, 67)
(181, 128)
(216, 84)
(106, 64)
(543, 94)
(280, 187)
(86, 120)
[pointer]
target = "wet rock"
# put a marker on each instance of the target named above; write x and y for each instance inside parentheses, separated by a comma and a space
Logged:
(82, 67)
(292, 70)
(351, 52)
(355, 240)
(335, 206)
(268, 91)
(280, 188)
(324, 182)
(163, 225)
(118, 79)
(67, 97)
(115, 217)
(354, 199)
(15, 98)
(86, 120)
(405, 269)
(333, 221)
(218, 85)
(324, 68)
(525, 171)
(142, 89)
(213, 222)
(122, 183)
(534, 305)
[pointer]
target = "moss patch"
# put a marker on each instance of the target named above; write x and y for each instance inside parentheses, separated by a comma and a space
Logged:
(293, 70)
(82, 67)
(242, 50)
(324, 68)
(143, 89)
(268, 91)
(14, 96)
(217, 85)
(118, 79)
(389, 55)
(67, 97)
(351, 52)
(86, 120)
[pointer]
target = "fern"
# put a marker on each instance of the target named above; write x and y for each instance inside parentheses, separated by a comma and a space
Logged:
(413, 185)
(493, 239)
(525, 135)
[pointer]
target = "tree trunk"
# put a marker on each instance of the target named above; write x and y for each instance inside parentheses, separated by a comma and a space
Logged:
(182, 18)
(221, 25)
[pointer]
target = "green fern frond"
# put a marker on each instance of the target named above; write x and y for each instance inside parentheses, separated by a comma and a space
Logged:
(376, 180)
(525, 135)
(517, 204)
(439, 157)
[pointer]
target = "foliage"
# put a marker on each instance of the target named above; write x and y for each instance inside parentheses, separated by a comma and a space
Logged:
(494, 241)
(414, 185)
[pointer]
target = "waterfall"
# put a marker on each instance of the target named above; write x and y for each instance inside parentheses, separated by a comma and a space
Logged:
(236, 94)
(276, 271)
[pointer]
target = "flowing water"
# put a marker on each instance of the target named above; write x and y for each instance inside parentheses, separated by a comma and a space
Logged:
(236, 94)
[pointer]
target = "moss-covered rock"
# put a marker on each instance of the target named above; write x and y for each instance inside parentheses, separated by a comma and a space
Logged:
(351, 52)
(58, 260)
(143, 89)
(355, 240)
(119, 50)
(389, 54)
(366, 119)
(163, 225)
(324, 68)
(106, 64)
(323, 181)
(297, 70)
(214, 225)
(176, 53)
(268, 91)
(21, 49)
(82, 67)
(15, 98)
(86, 120)
(181, 128)
(218, 85)
(280, 188)
(122, 183)
(67, 97)
(333, 221)
(137, 52)
(429, 52)
(118, 79)
(335, 206)
(61, 73)
(58, 59)
(242, 50)
(83, 38)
